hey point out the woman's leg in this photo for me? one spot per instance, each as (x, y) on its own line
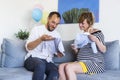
(61, 69)
(72, 69)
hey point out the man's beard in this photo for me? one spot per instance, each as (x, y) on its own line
(48, 27)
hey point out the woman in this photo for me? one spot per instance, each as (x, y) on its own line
(87, 62)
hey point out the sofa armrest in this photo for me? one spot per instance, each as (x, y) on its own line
(112, 59)
(0, 58)
(119, 56)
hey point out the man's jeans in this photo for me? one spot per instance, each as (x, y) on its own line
(39, 67)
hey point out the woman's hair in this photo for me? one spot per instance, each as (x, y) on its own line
(88, 16)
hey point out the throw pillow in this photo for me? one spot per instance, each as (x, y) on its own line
(112, 55)
(13, 53)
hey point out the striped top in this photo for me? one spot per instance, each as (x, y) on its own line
(93, 61)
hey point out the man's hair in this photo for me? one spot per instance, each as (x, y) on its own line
(54, 12)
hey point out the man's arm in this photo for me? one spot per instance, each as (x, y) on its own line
(35, 43)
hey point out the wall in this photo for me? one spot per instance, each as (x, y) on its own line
(109, 18)
(16, 14)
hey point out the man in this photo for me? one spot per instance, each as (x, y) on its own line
(41, 48)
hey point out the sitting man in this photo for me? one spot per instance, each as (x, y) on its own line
(41, 46)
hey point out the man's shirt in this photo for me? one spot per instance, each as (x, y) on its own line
(45, 49)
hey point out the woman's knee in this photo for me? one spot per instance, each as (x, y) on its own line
(69, 68)
(61, 67)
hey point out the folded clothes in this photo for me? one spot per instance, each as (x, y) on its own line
(82, 40)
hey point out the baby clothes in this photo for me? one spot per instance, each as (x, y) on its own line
(53, 46)
(82, 40)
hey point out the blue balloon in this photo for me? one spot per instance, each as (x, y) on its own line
(37, 14)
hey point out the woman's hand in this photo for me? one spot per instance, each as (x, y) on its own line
(74, 48)
(99, 44)
(93, 38)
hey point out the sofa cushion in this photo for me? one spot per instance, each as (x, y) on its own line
(107, 75)
(13, 53)
(15, 74)
(69, 53)
(112, 55)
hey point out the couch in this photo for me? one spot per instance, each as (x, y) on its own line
(13, 52)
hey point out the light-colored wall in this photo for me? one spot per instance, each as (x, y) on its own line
(16, 14)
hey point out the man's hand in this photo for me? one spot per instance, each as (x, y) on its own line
(59, 54)
(46, 37)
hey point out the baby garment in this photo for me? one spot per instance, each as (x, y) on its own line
(82, 40)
